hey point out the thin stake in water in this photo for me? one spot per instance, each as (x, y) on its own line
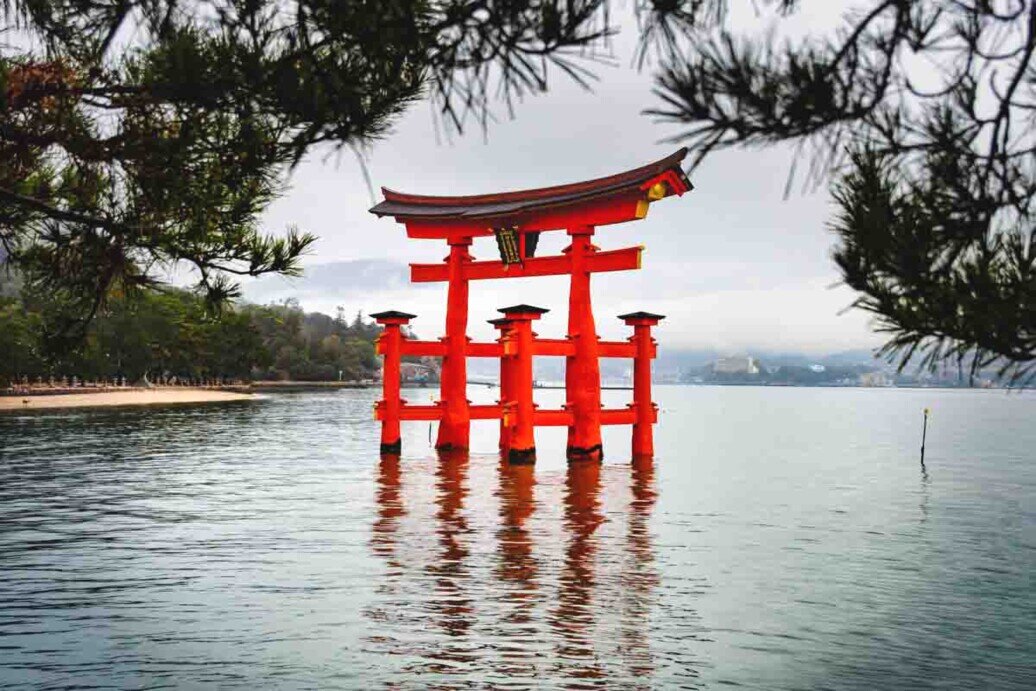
(924, 434)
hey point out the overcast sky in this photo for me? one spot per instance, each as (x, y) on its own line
(734, 265)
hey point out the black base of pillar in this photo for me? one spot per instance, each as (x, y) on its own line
(592, 453)
(446, 448)
(392, 447)
(522, 456)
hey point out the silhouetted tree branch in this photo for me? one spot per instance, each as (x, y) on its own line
(922, 111)
(136, 135)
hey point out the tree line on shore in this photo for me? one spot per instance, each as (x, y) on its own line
(159, 334)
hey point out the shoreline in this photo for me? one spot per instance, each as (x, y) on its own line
(112, 398)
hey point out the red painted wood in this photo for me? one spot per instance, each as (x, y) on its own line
(582, 368)
(485, 350)
(625, 259)
(541, 417)
(455, 425)
(423, 348)
(503, 327)
(646, 410)
(618, 416)
(616, 349)
(421, 412)
(522, 443)
(628, 207)
(553, 346)
(577, 208)
(486, 412)
(553, 418)
(388, 409)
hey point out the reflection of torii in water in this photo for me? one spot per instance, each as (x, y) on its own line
(518, 572)
(640, 578)
(444, 599)
(573, 618)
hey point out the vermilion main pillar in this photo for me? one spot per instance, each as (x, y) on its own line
(583, 369)
(455, 426)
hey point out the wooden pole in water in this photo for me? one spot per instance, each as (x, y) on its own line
(924, 434)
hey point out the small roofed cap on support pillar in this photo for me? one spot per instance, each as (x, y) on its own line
(499, 322)
(642, 318)
(533, 312)
(393, 315)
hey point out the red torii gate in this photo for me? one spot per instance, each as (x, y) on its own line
(517, 218)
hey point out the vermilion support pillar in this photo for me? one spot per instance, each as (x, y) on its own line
(503, 325)
(643, 436)
(582, 369)
(455, 426)
(519, 347)
(390, 346)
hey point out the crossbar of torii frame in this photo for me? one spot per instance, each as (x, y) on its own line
(516, 347)
(577, 209)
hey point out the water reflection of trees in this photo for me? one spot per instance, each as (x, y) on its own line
(576, 609)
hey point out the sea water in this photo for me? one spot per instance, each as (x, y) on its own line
(783, 538)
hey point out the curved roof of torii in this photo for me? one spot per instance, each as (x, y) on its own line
(508, 204)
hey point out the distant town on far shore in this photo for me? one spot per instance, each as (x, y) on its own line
(703, 367)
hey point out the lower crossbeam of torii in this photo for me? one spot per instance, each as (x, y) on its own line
(516, 219)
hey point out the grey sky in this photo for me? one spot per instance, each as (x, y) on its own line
(734, 264)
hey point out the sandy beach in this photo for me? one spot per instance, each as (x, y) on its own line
(121, 398)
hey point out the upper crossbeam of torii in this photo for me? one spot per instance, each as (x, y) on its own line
(516, 219)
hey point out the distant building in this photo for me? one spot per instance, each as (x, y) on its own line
(817, 368)
(736, 365)
(414, 372)
(875, 379)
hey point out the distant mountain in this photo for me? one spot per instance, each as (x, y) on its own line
(857, 356)
(672, 360)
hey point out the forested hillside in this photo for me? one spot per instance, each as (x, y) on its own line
(169, 333)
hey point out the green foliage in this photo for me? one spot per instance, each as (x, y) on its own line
(139, 134)
(19, 340)
(169, 333)
(313, 346)
(924, 113)
(920, 252)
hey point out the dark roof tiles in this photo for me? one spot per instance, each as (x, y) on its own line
(641, 315)
(523, 309)
(392, 314)
(503, 204)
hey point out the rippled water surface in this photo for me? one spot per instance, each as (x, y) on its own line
(783, 538)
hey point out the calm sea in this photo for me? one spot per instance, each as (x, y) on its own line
(783, 539)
